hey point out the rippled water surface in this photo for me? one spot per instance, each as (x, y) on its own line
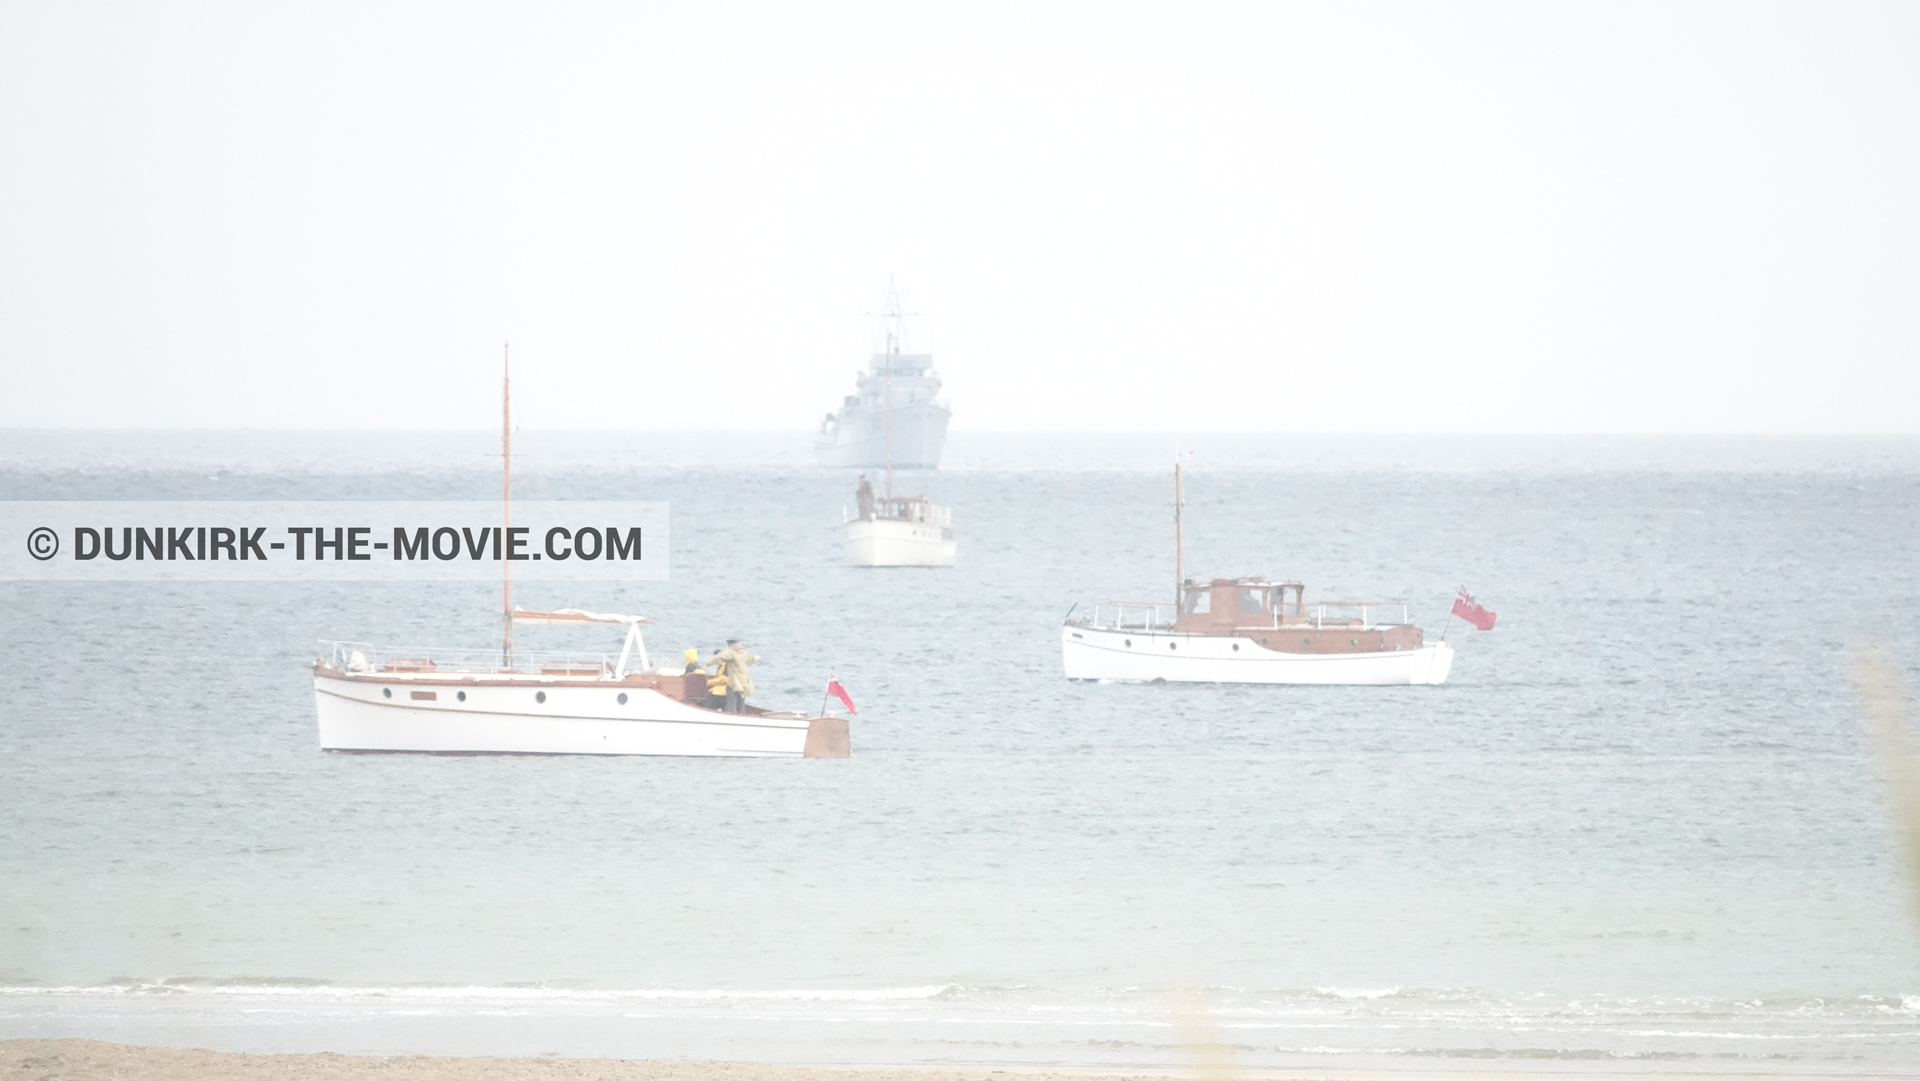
(1639, 825)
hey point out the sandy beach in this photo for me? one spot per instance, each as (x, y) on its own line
(86, 1060)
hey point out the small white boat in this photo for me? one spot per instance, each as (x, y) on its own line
(507, 702)
(458, 702)
(1247, 630)
(905, 531)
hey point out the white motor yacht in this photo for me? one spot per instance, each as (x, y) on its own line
(1247, 630)
(480, 702)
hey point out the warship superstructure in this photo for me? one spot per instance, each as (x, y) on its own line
(897, 416)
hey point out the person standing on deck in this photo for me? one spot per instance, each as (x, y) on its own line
(732, 663)
(694, 680)
(865, 495)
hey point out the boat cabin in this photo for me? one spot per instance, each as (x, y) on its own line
(912, 508)
(1276, 615)
(1224, 604)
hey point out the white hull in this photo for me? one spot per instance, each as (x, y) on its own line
(885, 543)
(860, 440)
(1139, 656)
(583, 717)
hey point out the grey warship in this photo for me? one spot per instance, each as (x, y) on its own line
(898, 417)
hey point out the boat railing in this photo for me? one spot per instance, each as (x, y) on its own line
(916, 510)
(1363, 614)
(364, 658)
(1128, 615)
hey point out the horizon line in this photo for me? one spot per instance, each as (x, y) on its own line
(1177, 433)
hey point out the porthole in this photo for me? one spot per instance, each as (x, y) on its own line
(1353, 641)
(1236, 647)
(386, 692)
(623, 698)
(1173, 645)
(462, 696)
(1306, 641)
(1128, 642)
(539, 696)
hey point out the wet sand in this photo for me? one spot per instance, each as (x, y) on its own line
(88, 1060)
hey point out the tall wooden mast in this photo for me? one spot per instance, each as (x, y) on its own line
(506, 503)
(894, 334)
(1179, 555)
(887, 384)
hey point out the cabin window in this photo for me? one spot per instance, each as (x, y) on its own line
(1250, 600)
(623, 698)
(540, 696)
(386, 692)
(462, 696)
(1199, 602)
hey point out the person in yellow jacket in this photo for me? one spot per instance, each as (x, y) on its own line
(695, 689)
(730, 664)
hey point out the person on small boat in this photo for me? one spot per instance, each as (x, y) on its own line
(694, 679)
(731, 663)
(865, 495)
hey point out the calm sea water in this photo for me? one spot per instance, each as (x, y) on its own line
(1639, 828)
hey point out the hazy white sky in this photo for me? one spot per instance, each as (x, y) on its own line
(1339, 216)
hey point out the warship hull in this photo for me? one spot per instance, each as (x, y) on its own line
(860, 439)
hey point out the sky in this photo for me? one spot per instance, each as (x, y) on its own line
(1326, 217)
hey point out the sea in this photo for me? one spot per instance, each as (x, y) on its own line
(1641, 828)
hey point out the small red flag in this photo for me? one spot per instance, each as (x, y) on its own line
(835, 689)
(1471, 610)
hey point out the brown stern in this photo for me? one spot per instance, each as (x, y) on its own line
(827, 738)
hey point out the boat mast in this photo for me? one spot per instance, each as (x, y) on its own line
(1179, 555)
(893, 350)
(889, 416)
(506, 503)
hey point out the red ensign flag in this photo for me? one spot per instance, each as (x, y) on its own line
(1470, 610)
(835, 689)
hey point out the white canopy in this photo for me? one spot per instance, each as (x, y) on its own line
(574, 615)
